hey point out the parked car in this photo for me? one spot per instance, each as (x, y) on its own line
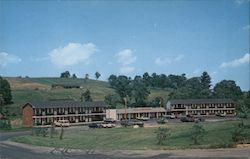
(169, 116)
(62, 123)
(107, 125)
(221, 114)
(143, 118)
(109, 120)
(190, 118)
(161, 121)
(94, 125)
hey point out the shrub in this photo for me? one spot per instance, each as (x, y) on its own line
(40, 131)
(241, 133)
(5, 124)
(197, 133)
(162, 135)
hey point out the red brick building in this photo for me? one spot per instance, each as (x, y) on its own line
(46, 112)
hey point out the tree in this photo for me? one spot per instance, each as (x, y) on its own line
(206, 84)
(157, 102)
(111, 100)
(5, 92)
(139, 91)
(227, 89)
(192, 89)
(241, 133)
(146, 79)
(162, 134)
(205, 80)
(74, 76)
(177, 81)
(197, 133)
(65, 74)
(112, 80)
(86, 96)
(86, 76)
(97, 75)
(123, 86)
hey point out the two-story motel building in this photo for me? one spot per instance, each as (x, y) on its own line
(202, 107)
(46, 112)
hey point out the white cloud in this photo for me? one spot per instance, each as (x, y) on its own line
(39, 59)
(126, 69)
(6, 59)
(162, 61)
(72, 54)
(214, 73)
(197, 71)
(239, 2)
(247, 27)
(125, 57)
(179, 57)
(236, 62)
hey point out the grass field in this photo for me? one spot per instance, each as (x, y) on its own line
(218, 134)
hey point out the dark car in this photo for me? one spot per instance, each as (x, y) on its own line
(94, 125)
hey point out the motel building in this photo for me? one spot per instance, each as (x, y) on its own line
(201, 107)
(135, 113)
(47, 112)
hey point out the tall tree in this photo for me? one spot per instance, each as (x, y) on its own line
(177, 81)
(139, 92)
(5, 91)
(206, 84)
(192, 89)
(123, 86)
(112, 100)
(227, 89)
(205, 80)
(97, 75)
(65, 74)
(86, 76)
(146, 79)
(112, 80)
(74, 76)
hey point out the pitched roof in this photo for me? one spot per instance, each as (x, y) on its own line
(141, 110)
(63, 104)
(200, 101)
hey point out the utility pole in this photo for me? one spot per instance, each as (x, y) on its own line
(125, 105)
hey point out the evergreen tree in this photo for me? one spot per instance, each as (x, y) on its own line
(97, 75)
(5, 91)
(74, 76)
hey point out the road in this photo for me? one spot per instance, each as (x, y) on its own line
(11, 150)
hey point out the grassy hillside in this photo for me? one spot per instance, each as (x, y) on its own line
(38, 89)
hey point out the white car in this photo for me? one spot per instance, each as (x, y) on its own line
(62, 123)
(109, 125)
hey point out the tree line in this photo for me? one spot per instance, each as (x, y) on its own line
(136, 90)
(67, 74)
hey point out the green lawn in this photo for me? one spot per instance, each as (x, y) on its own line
(218, 134)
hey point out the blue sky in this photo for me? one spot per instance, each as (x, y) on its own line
(45, 38)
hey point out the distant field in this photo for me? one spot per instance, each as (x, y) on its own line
(218, 134)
